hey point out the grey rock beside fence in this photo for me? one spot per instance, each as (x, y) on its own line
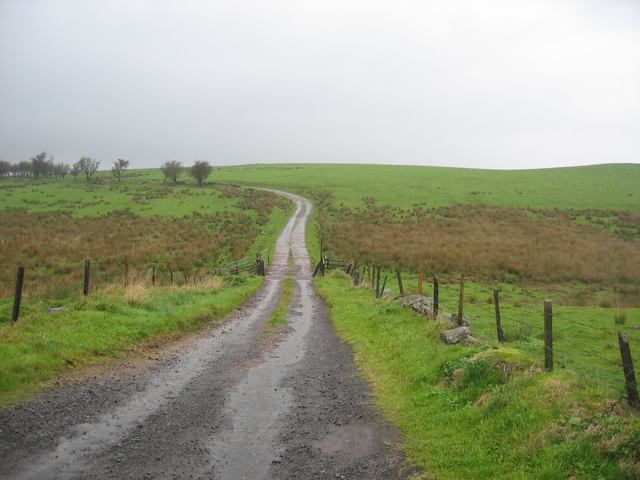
(459, 333)
(420, 304)
(455, 335)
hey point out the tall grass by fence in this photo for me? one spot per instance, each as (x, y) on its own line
(93, 279)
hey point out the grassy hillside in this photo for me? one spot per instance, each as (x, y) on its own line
(611, 186)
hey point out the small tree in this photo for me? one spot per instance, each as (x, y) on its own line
(200, 170)
(39, 165)
(171, 169)
(119, 166)
(88, 166)
(61, 169)
(23, 169)
(76, 170)
(5, 168)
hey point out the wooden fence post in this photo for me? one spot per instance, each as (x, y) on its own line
(420, 273)
(378, 282)
(496, 302)
(400, 288)
(87, 276)
(153, 274)
(171, 275)
(436, 295)
(548, 336)
(17, 299)
(627, 368)
(461, 301)
(384, 283)
(260, 269)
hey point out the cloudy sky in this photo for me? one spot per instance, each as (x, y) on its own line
(491, 83)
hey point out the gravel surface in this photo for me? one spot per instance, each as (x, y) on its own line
(238, 401)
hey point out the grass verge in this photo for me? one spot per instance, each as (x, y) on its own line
(480, 412)
(279, 316)
(104, 326)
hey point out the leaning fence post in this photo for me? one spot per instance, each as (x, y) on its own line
(400, 288)
(496, 302)
(384, 283)
(548, 336)
(627, 368)
(436, 295)
(87, 274)
(17, 299)
(315, 272)
(461, 301)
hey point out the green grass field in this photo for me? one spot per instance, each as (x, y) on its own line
(141, 192)
(598, 186)
(462, 416)
(585, 337)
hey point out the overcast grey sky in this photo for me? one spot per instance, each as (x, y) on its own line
(476, 83)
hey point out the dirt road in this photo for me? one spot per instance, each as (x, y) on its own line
(239, 401)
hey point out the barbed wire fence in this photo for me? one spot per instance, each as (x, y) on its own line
(95, 276)
(596, 353)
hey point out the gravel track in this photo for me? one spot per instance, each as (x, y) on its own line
(238, 401)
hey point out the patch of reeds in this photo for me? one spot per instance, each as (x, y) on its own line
(53, 246)
(488, 242)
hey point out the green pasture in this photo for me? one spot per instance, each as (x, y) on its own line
(585, 336)
(462, 416)
(142, 192)
(612, 186)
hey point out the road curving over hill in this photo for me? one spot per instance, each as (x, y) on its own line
(238, 401)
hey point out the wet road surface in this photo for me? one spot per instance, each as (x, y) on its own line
(239, 401)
